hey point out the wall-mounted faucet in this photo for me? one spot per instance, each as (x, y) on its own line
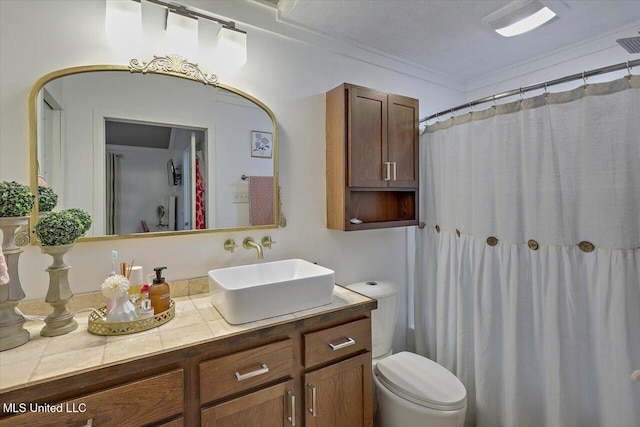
(249, 243)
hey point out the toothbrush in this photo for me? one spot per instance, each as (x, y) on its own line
(114, 256)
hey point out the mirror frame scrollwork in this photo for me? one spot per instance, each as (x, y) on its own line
(171, 65)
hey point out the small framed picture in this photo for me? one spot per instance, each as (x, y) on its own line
(261, 144)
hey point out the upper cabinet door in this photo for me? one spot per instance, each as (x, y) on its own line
(403, 141)
(367, 138)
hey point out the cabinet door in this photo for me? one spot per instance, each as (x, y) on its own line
(367, 138)
(270, 407)
(340, 394)
(403, 141)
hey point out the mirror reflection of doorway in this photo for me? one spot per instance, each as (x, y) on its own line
(152, 174)
(51, 144)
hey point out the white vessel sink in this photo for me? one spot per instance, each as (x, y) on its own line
(257, 291)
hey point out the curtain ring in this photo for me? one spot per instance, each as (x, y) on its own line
(584, 79)
(628, 70)
(438, 117)
(471, 105)
(521, 97)
(452, 116)
(494, 102)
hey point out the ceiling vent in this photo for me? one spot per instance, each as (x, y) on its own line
(630, 44)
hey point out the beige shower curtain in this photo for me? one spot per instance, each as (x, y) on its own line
(528, 289)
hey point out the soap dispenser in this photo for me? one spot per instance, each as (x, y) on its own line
(159, 292)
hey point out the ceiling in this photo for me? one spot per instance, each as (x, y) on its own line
(449, 37)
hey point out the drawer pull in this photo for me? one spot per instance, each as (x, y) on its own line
(89, 423)
(252, 374)
(312, 410)
(292, 418)
(347, 343)
(395, 170)
(388, 174)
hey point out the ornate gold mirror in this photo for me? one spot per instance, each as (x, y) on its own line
(154, 149)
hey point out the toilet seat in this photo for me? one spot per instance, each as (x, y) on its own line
(421, 381)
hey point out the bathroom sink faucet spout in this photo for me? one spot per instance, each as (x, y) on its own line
(249, 243)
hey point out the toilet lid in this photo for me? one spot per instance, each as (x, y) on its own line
(421, 381)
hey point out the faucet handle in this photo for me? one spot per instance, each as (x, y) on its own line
(267, 242)
(230, 245)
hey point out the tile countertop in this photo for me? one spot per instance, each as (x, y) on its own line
(196, 321)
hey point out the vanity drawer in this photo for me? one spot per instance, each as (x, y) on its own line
(333, 343)
(227, 375)
(141, 402)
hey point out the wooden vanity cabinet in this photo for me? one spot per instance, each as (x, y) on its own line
(372, 158)
(261, 377)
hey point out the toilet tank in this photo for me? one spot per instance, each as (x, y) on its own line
(383, 319)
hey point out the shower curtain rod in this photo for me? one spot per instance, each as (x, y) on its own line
(544, 85)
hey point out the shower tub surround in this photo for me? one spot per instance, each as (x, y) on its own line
(168, 364)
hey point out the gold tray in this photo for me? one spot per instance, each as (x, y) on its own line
(99, 327)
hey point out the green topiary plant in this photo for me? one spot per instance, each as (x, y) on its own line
(84, 217)
(63, 227)
(15, 199)
(47, 199)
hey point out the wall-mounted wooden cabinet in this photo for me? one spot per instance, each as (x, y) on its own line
(372, 159)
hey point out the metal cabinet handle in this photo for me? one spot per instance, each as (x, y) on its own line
(388, 174)
(292, 418)
(252, 374)
(347, 343)
(89, 423)
(395, 170)
(312, 410)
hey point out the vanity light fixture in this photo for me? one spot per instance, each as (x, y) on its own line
(123, 20)
(181, 28)
(232, 44)
(518, 17)
(232, 41)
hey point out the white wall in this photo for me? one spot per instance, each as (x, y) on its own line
(37, 37)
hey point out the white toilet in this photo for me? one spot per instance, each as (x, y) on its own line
(410, 390)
